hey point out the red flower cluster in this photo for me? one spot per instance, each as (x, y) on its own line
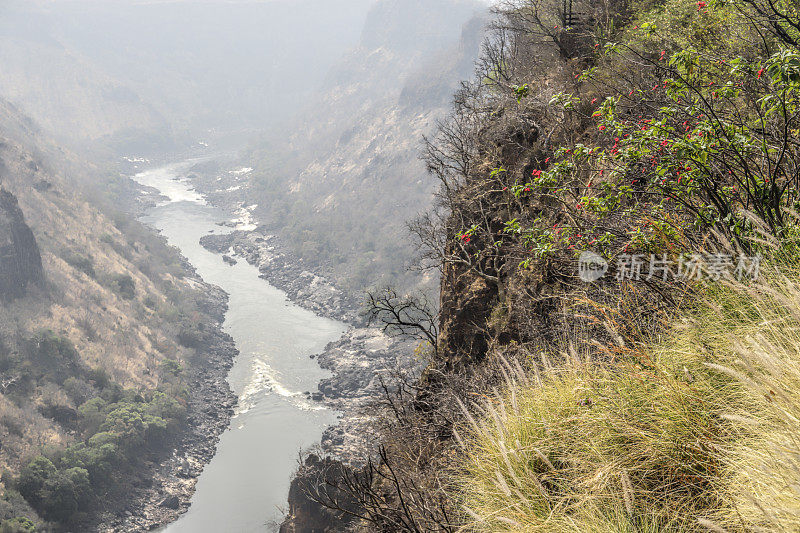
(537, 174)
(615, 148)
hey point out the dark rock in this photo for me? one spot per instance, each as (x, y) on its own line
(42, 185)
(64, 415)
(217, 243)
(306, 515)
(170, 502)
(462, 339)
(20, 260)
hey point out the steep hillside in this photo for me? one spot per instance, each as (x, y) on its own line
(65, 92)
(615, 347)
(102, 329)
(339, 181)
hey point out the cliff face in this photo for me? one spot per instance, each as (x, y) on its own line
(20, 260)
(306, 514)
(466, 301)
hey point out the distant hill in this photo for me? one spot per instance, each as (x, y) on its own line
(138, 76)
(341, 180)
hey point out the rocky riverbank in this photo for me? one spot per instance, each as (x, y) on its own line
(163, 488)
(360, 362)
(303, 287)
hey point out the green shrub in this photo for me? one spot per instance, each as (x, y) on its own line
(19, 524)
(81, 263)
(93, 414)
(123, 285)
(48, 346)
(119, 429)
(78, 389)
(171, 367)
(100, 377)
(32, 479)
(65, 494)
(134, 426)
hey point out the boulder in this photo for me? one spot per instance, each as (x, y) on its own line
(170, 502)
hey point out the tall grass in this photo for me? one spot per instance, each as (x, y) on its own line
(699, 431)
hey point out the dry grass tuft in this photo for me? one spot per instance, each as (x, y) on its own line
(700, 432)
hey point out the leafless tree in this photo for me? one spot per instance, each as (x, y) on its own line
(777, 18)
(407, 316)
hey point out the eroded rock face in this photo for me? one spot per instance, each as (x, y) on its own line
(20, 260)
(466, 302)
(318, 479)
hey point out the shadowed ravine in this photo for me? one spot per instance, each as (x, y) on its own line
(244, 488)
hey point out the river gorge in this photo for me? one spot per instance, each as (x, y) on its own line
(244, 487)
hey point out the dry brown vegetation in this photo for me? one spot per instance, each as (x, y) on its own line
(108, 317)
(554, 405)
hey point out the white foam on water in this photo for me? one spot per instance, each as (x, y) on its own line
(264, 379)
(241, 171)
(244, 220)
(135, 159)
(167, 182)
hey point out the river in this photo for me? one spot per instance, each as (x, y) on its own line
(245, 486)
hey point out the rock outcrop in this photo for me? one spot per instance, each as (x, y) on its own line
(317, 481)
(466, 301)
(20, 260)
